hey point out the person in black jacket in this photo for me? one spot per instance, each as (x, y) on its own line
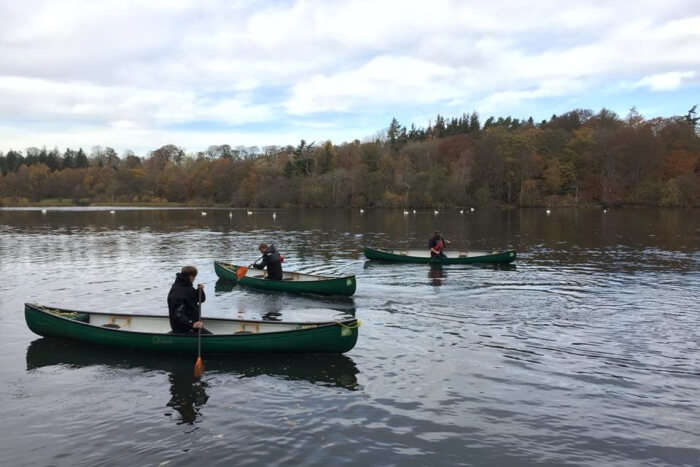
(183, 302)
(271, 260)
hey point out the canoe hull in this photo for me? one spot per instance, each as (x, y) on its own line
(383, 255)
(345, 286)
(332, 337)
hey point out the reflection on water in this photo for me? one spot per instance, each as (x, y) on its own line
(222, 285)
(324, 369)
(436, 274)
(585, 352)
(188, 393)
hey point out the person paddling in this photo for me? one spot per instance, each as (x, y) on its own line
(437, 245)
(183, 301)
(271, 260)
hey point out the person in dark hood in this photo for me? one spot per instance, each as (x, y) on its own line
(437, 245)
(183, 301)
(271, 260)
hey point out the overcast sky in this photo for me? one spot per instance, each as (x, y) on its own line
(142, 74)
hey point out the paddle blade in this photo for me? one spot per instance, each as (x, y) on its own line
(241, 271)
(198, 368)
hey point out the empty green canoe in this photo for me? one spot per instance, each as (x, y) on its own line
(453, 257)
(151, 332)
(294, 282)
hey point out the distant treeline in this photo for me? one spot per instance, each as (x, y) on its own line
(579, 157)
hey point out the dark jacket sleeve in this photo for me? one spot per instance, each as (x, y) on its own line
(196, 297)
(263, 263)
(193, 302)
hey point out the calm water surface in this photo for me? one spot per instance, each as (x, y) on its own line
(583, 353)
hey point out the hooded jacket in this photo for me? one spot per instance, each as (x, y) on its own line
(273, 262)
(182, 304)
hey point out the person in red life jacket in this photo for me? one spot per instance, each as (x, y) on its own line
(272, 260)
(437, 245)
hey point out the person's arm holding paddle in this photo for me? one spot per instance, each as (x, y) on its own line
(201, 298)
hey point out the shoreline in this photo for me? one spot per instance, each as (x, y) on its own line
(67, 205)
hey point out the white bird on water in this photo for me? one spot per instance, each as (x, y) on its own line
(471, 209)
(605, 211)
(43, 211)
(112, 211)
(405, 212)
(362, 211)
(250, 213)
(436, 212)
(548, 212)
(461, 211)
(274, 215)
(230, 215)
(414, 211)
(204, 213)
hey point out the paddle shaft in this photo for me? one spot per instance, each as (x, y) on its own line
(259, 258)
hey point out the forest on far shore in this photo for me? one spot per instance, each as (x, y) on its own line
(578, 158)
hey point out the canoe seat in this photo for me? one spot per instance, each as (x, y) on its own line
(463, 255)
(111, 326)
(241, 333)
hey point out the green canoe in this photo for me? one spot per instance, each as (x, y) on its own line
(151, 332)
(294, 282)
(453, 257)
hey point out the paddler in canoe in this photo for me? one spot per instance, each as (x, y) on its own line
(271, 260)
(184, 303)
(437, 245)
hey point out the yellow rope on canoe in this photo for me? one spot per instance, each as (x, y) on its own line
(65, 314)
(350, 326)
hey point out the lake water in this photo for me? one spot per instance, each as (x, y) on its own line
(583, 353)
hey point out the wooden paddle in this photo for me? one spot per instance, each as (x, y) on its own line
(243, 270)
(199, 364)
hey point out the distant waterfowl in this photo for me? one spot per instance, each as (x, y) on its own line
(204, 213)
(436, 212)
(548, 212)
(471, 209)
(414, 211)
(43, 211)
(230, 215)
(250, 213)
(362, 211)
(274, 215)
(112, 211)
(461, 211)
(405, 212)
(605, 211)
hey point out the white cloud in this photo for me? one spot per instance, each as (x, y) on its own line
(384, 79)
(669, 81)
(144, 68)
(36, 99)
